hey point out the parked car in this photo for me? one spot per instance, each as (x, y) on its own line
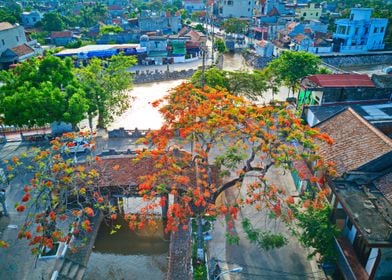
(78, 146)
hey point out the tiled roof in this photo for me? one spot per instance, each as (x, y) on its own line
(60, 34)
(299, 37)
(341, 80)
(263, 43)
(384, 184)
(123, 171)
(22, 50)
(302, 169)
(5, 25)
(183, 31)
(356, 142)
(115, 8)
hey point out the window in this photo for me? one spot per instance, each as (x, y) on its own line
(382, 30)
(230, 2)
(17, 38)
(317, 14)
(375, 30)
(34, 19)
(366, 30)
(304, 14)
(351, 16)
(356, 30)
(342, 30)
(2, 41)
(249, 3)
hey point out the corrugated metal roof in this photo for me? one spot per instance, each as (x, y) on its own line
(341, 80)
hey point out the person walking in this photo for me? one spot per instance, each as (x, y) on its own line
(2, 201)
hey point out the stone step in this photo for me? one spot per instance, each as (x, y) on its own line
(65, 268)
(80, 274)
(73, 270)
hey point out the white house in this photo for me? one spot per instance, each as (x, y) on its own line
(238, 8)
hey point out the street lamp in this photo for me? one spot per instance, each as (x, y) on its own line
(233, 270)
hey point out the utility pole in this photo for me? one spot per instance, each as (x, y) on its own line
(203, 67)
(213, 36)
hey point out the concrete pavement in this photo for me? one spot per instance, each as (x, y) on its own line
(288, 262)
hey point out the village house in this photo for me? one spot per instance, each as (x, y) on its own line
(29, 19)
(264, 48)
(192, 6)
(165, 22)
(62, 38)
(15, 46)
(237, 8)
(360, 195)
(359, 32)
(311, 11)
(332, 89)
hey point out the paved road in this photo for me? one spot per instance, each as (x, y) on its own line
(289, 262)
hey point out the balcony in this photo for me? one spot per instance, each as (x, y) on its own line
(348, 49)
(348, 262)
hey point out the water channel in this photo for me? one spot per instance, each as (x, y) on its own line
(128, 255)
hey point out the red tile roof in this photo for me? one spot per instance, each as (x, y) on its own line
(303, 170)
(356, 142)
(341, 80)
(115, 8)
(22, 50)
(124, 171)
(61, 34)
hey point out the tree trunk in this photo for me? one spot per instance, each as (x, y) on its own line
(90, 121)
(101, 121)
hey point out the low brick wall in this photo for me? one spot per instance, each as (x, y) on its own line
(148, 76)
(180, 254)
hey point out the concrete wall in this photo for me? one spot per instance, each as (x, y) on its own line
(141, 77)
(359, 59)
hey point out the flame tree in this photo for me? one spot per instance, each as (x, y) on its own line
(229, 136)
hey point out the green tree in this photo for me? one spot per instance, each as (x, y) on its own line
(315, 230)
(10, 11)
(52, 21)
(252, 85)
(7, 16)
(234, 25)
(199, 27)
(41, 91)
(105, 84)
(106, 29)
(219, 45)
(291, 66)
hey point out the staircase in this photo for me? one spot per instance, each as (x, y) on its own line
(71, 270)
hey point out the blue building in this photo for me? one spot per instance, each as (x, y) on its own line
(360, 32)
